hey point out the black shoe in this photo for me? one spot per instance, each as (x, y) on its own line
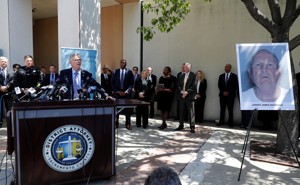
(1, 124)
(179, 128)
(192, 130)
(138, 125)
(144, 126)
(230, 126)
(162, 126)
(219, 124)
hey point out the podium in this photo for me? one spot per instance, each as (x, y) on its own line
(63, 142)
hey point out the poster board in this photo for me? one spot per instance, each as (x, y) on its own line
(265, 78)
(88, 57)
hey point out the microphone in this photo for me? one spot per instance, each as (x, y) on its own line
(51, 93)
(31, 93)
(63, 89)
(91, 91)
(45, 91)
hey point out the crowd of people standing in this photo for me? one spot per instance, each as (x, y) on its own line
(187, 88)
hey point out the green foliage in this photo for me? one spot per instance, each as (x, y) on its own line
(168, 14)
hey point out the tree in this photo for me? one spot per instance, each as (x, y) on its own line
(279, 27)
(170, 13)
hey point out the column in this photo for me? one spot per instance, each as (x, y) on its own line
(16, 29)
(79, 26)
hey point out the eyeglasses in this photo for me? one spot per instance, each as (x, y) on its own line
(79, 59)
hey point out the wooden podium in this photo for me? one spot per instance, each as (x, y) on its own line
(64, 142)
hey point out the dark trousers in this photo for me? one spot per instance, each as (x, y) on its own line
(152, 108)
(226, 102)
(187, 105)
(178, 111)
(142, 111)
(199, 109)
(5, 105)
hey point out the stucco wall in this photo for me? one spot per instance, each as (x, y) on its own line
(111, 35)
(45, 39)
(207, 39)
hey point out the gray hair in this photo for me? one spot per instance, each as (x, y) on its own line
(2, 58)
(73, 55)
(188, 65)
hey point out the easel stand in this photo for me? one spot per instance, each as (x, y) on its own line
(247, 138)
(246, 141)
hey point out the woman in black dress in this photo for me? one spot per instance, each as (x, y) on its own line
(165, 93)
(200, 97)
(143, 92)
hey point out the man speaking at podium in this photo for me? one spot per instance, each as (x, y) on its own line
(78, 80)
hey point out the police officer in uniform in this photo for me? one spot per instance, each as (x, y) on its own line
(27, 77)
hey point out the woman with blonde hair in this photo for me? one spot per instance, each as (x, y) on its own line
(200, 97)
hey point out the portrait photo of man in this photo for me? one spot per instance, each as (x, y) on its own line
(266, 82)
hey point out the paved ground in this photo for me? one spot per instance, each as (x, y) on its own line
(211, 156)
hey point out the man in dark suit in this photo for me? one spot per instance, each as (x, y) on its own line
(122, 83)
(77, 79)
(51, 77)
(178, 97)
(153, 80)
(136, 75)
(228, 86)
(106, 80)
(186, 91)
(6, 86)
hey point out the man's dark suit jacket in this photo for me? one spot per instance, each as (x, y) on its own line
(47, 79)
(189, 86)
(7, 100)
(87, 80)
(231, 86)
(9, 81)
(153, 83)
(106, 83)
(178, 95)
(128, 81)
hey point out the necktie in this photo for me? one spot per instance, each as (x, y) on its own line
(226, 79)
(75, 85)
(122, 79)
(184, 81)
(52, 79)
(4, 76)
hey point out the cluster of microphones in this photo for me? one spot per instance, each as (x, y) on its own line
(55, 92)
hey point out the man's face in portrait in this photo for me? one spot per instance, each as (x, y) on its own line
(264, 70)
